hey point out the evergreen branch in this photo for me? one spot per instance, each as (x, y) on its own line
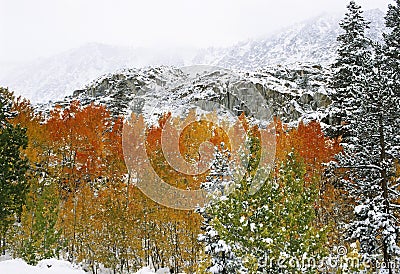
(364, 166)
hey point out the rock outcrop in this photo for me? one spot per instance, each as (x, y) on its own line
(291, 93)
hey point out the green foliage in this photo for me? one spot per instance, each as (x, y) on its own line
(222, 259)
(13, 185)
(276, 225)
(37, 237)
(287, 205)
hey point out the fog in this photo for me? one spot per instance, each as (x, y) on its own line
(31, 29)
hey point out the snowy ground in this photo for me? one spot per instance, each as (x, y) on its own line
(51, 266)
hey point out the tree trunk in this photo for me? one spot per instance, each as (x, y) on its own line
(2, 247)
(384, 186)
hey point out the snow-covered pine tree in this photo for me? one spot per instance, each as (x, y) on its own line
(220, 178)
(353, 57)
(276, 221)
(391, 81)
(223, 260)
(392, 45)
(391, 66)
(228, 212)
(274, 226)
(13, 184)
(369, 112)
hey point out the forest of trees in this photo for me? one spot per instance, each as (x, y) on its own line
(66, 192)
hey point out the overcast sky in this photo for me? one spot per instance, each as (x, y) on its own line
(31, 29)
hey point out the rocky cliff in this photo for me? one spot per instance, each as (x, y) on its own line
(291, 92)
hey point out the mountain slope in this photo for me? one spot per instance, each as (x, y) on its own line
(291, 93)
(312, 41)
(58, 76)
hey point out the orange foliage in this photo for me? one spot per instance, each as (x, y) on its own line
(82, 149)
(86, 143)
(309, 141)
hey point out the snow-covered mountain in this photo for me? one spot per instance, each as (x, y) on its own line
(58, 76)
(312, 41)
(291, 93)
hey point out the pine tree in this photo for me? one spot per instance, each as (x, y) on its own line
(223, 260)
(288, 230)
(13, 185)
(353, 57)
(220, 178)
(369, 110)
(392, 46)
(277, 220)
(390, 78)
(276, 224)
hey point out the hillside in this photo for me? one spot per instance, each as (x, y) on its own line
(292, 93)
(312, 41)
